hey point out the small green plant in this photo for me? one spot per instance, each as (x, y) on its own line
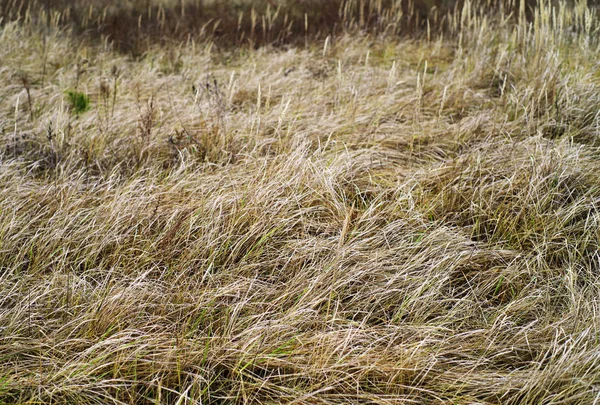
(80, 102)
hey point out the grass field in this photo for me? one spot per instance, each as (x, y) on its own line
(206, 203)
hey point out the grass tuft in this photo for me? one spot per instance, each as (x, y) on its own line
(79, 102)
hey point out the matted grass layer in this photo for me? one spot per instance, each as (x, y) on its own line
(364, 218)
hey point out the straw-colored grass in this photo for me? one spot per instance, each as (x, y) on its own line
(365, 218)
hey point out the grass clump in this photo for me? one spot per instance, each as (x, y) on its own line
(79, 102)
(350, 216)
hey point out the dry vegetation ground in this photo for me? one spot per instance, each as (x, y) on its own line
(362, 218)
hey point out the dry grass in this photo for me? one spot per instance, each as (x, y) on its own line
(367, 219)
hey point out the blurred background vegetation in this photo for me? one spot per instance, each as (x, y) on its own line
(133, 25)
